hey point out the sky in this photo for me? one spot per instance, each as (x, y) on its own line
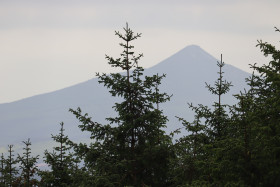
(46, 45)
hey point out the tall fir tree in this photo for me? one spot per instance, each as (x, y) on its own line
(243, 120)
(266, 129)
(133, 149)
(28, 165)
(11, 170)
(202, 154)
(255, 125)
(61, 161)
(3, 171)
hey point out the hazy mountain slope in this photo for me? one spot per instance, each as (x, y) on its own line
(187, 71)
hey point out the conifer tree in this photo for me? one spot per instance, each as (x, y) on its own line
(28, 165)
(60, 161)
(243, 120)
(191, 156)
(218, 124)
(254, 131)
(2, 171)
(201, 155)
(265, 156)
(132, 149)
(217, 120)
(11, 170)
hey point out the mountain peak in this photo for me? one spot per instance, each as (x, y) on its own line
(193, 51)
(193, 46)
(191, 55)
(187, 71)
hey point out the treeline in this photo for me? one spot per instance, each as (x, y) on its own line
(237, 145)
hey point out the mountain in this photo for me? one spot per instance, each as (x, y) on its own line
(186, 72)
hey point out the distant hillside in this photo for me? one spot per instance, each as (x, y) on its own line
(187, 71)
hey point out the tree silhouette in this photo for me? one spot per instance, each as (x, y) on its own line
(133, 148)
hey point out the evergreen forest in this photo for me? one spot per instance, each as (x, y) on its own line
(225, 145)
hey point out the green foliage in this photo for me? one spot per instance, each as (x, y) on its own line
(266, 129)
(8, 168)
(201, 157)
(28, 165)
(133, 148)
(62, 163)
(2, 171)
(225, 145)
(239, 148)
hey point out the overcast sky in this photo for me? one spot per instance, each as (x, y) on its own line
(47, 45)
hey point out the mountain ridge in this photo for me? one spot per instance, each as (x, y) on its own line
(188, 48)
(37, 117)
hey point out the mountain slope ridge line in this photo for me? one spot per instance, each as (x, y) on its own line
(38, 117)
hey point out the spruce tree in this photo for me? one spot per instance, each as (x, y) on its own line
(255, 133)
(218, 117)
(266, 129)
(11, 170)
(218, 124)
(243, 120)
(189, 166)
(28, 165)
(132, 150)
(2, 171)
(202, 154)
(60, 161)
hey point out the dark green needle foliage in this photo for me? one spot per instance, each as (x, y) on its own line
(266, 94)
(132, 150)
(217, 121)
(224, 145)
(191, 153)
(28, 166)
(3, 172)
(10, 167)
(62, 163)
(201, 155)
(243, 121)
(235, 145)
(256, 125)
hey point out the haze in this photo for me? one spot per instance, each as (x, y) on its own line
(48, 45)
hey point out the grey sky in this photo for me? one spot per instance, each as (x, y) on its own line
(51, 44)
